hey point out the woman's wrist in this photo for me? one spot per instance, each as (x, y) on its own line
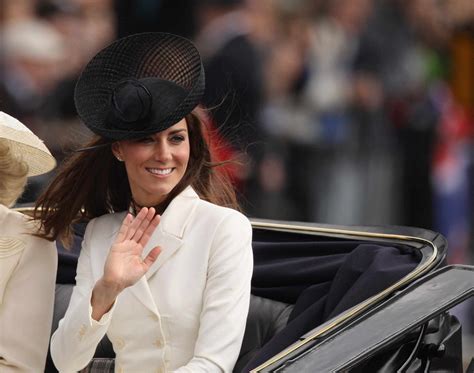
(104, 295)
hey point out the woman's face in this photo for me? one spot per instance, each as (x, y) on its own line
(155, 164)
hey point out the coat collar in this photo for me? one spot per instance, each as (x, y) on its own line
(168, 236)
(176, 217)
(170, 231)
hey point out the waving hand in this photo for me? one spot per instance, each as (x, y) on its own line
(124, 265)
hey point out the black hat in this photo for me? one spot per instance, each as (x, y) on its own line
(140, 85)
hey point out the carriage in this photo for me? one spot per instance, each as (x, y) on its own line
(336, 298)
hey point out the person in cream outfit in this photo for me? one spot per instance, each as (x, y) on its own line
(27, 263)
(166, 260)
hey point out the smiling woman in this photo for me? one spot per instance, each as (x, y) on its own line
(155, 164)
(159, 219)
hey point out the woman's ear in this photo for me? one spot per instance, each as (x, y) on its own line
(117, 151)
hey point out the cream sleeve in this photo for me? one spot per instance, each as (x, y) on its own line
(27, 283)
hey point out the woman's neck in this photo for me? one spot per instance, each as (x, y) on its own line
(135, 207)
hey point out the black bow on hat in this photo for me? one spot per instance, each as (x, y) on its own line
(140, 85)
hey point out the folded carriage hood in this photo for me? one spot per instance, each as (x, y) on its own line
(418, 303)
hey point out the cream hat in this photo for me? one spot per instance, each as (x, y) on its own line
(25, 145)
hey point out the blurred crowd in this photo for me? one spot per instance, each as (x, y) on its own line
(335, 111)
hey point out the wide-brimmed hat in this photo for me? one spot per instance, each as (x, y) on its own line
(25, 145)
(140, 85)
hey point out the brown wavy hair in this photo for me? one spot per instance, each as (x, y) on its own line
(93, 183)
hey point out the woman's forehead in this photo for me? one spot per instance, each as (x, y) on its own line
(181, 126)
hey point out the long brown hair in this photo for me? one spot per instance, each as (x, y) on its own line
(93, 183)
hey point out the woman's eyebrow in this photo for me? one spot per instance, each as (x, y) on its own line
(177, 131)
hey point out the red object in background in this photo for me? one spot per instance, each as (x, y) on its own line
(222, 151)
(451, 184)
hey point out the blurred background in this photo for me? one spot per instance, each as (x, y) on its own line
(336, 111)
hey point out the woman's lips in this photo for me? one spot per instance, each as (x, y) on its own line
(160, 171)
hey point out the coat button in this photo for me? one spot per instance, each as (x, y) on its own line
(81, 332)
(119, 343)
(158, 343)
(154, 316)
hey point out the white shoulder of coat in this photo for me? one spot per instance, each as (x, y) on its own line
(215, 213)
(108, 220)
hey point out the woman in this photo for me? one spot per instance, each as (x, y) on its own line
(27, 263)
(164, 270)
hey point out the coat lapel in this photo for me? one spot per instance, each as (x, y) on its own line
(142, 292)
(169, 236)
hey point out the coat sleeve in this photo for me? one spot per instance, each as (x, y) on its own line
(74, 343)
(26, 304)
(226, 298)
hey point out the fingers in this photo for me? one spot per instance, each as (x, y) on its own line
(151, 257)
(149, 230)
(140, 228)
(134, 226)
(124, 228)
(143, 224)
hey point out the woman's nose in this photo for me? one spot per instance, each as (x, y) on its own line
(162, 152)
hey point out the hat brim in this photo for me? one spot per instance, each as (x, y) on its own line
(39, 161)
(25, 145)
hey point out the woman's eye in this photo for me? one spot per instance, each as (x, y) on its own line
(177, 138)
(145, 140)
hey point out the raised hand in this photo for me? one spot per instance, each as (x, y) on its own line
(124, 265)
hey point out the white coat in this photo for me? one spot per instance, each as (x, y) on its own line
(27, 281)
(187, 314)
